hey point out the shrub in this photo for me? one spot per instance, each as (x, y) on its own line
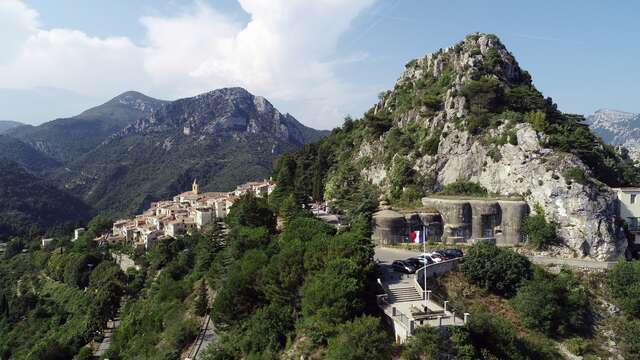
(538, 230)
(361, 338)
(624, 283)
(577, 346)
(464, 188)
(575, 174)
(554, 305)
(426, 343)
(496, 269)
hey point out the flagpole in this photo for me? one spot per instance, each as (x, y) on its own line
(424, 272)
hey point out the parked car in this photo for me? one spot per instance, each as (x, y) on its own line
(443, 254)
(454, 253)
(419, 261)
(434, 256)
(403, 267)
(425, 260)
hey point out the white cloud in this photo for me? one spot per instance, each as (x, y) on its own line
(286, 52)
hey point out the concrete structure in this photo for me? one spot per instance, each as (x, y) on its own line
(454, 220)
(47, 243)
(77, 232)
(407, 306)
(628, 209)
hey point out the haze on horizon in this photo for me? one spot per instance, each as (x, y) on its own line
(317, 60)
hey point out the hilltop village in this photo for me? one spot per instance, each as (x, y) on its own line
(185, 212)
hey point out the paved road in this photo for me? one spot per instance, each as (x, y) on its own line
(386, 255)
(574, 263)
(206, 337)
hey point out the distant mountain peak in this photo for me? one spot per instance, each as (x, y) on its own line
(232, 111)
(133, 100)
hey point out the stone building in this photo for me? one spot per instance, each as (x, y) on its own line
(454, 220)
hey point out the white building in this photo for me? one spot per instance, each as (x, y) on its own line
(629, 209)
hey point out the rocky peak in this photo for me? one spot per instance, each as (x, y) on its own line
(470, 113)
(227, 111)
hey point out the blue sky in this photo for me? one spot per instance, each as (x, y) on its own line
(317, 60)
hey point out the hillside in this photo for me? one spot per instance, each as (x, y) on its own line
(471, 114)
(6, 125)
(617, 128)
(69, 138)
(29, 203)
(25, 155)
(222, 138)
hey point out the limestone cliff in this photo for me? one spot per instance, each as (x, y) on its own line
(470, 113)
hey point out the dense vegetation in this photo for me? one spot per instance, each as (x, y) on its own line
(29, 205)
(169, 296)
(297, 285)
(53, 303)
(539, 232)
(25, 155)
(624, 284)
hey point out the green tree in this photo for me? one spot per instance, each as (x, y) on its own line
(359, 339)
(540, 232)
(496, 269)
(100, 224)
(425, 344)
(252, 211)
(267, 329)
(624, 282)
(202, 299)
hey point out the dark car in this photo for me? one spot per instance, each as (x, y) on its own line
(453, 253)
(403, 267)
(443, 254)
(419, 262)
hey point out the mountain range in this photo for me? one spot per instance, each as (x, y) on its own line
(617, 128)
(134, 149)
(221, 138)
(6, 125)
(67, 139)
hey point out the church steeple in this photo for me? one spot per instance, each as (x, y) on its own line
(194, 187)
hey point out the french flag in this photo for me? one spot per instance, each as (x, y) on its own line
(416, 236)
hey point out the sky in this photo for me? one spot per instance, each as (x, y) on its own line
(317, 60)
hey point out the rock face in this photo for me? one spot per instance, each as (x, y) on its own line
(223, 111)
(617, 128)
(505, 154)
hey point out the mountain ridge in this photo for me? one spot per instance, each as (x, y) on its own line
(66, 139)
(618, 128)
(222, 137)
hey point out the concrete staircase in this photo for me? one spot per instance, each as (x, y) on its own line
(402, 294)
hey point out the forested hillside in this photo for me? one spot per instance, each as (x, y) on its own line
(31, 159)
(30, 204)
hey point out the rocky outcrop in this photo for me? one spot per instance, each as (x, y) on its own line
(508, 157)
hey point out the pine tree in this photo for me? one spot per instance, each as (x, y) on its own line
(202, 300)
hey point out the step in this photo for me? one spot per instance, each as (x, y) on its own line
(404, 294)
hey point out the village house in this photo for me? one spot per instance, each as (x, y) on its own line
(186, 212)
